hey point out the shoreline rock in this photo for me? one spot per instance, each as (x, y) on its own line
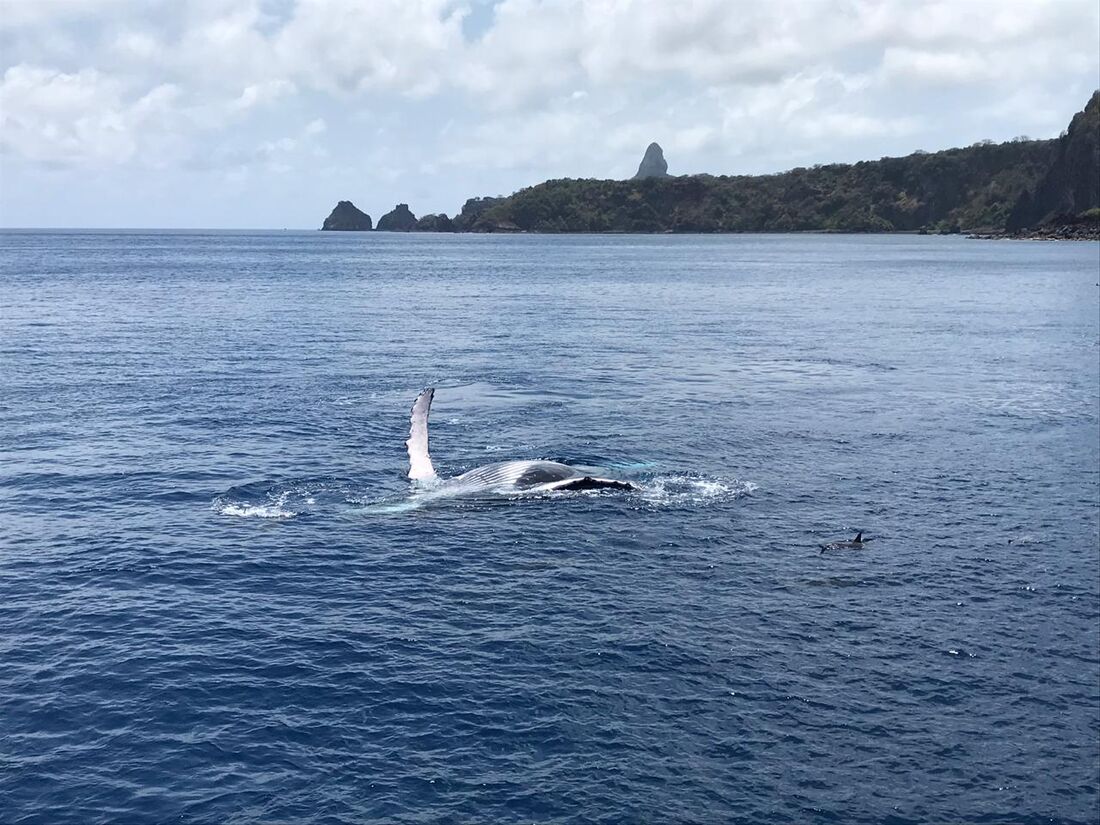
(1045, 233)
(1084, 227)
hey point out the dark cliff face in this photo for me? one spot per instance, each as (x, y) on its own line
(435, 223)
(346, 218)
(653, 164)
(1072, 183)
(472, 211)
(399, 220)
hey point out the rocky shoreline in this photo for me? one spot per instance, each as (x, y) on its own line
(1075, 231)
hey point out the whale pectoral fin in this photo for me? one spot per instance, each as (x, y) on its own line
(593, 483)
(420, 463)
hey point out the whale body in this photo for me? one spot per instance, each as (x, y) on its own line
(501, 476)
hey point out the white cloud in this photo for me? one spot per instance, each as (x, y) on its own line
(545, 87)
(19, 14)
(935, 67)
(401, 45)
(258, 94)
(533, 48)
(136, 46)
(59, 118)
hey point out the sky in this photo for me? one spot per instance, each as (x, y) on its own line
(264, 113)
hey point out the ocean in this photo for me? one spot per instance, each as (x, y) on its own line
(221, 601)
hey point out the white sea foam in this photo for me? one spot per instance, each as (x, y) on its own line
(683, 490)
(255, 511)
(390, 508)
(660, 491)
(275, 507)
(511, 448)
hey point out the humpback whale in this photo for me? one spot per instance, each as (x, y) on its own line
(855, 544)
(503, 476)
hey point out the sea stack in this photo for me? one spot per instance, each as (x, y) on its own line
(399, 220)
(653, 164)
(346, 218)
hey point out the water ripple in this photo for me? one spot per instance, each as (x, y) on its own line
(223, 602)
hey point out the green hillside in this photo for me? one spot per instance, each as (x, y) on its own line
(975, 187)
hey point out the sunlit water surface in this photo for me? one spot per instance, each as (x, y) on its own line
(221, 602)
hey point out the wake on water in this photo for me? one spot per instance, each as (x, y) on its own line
(289, 499)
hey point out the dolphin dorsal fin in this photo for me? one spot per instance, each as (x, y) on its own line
(859, 537)
(420, 463)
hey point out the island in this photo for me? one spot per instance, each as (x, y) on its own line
(398, 219)
(346, 218)
(1020, 188)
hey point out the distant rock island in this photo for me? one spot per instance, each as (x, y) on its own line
(399, 219)
(1021, 188)
(653, 164)
(435, 223)
(346, 218)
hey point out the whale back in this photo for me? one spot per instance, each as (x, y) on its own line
(520, 475)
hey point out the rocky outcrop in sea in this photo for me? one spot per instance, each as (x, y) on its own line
(400, 219)
(346, 218)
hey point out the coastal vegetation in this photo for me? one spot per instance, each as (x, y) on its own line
(945, 191)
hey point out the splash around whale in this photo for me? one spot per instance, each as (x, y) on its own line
(500, 477)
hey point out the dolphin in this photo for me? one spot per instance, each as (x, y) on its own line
(502, 476)
(855, 544)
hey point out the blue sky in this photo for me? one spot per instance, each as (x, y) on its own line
(264, 113)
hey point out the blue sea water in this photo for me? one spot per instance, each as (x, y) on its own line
(219, 604)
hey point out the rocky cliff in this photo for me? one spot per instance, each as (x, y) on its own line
(435, 223)
(1071, 186)
(346, 218)
(472, 211)
(653, 164)
(400, 219)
